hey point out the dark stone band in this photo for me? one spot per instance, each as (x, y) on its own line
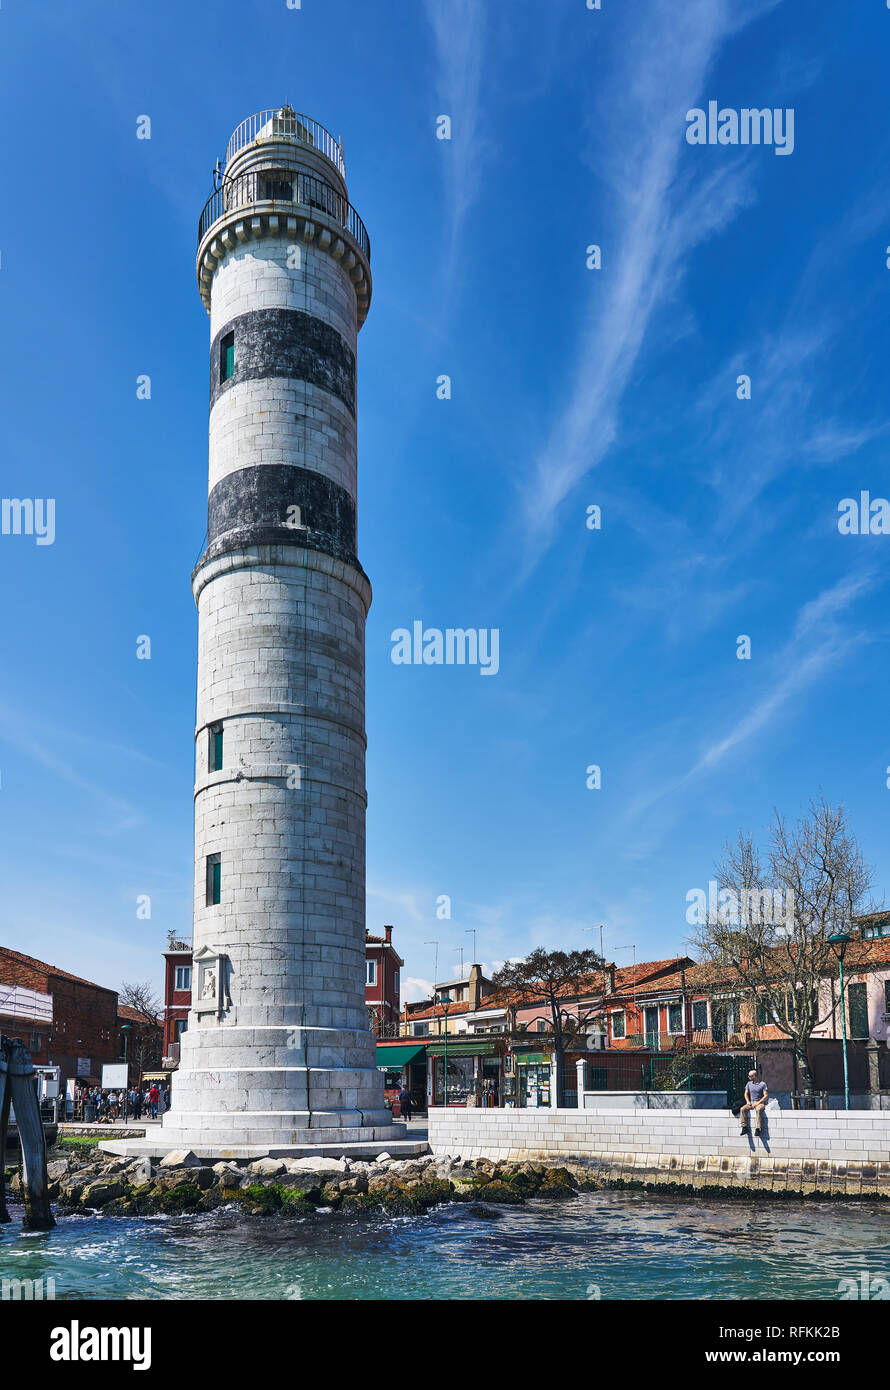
(285, 343)
(255, 505)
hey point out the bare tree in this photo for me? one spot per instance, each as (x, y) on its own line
(776, 912)
(555, 979)
(143, 1000)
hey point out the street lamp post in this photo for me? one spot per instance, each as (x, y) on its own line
(445, 1008)
(125, 1029)
(839, 943)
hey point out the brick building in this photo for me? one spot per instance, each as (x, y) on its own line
(177, 997)
(73, 1023)
(382, 982)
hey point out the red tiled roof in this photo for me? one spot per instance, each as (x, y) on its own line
(626, 976)
(35, 964)
(124, 1011)
(436, 1012)
(382, 941)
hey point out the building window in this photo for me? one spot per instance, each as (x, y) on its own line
(857, 1010)
(700, 1015)
(371, 977)
(179, 1027)
(675, 1018)
(420, 1030)
(183, 977)
(619, 1026)
(34, 1042)
(542, 1025)
(214, 879)
(887, 996)
(723, 1020)
(762, 1016)
(215, 760)
(227, 357)
(395, 982)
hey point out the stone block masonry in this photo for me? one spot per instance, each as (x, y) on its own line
(806, 1152)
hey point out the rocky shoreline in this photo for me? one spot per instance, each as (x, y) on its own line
(180, 1183)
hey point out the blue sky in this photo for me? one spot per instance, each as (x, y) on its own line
(571, 387)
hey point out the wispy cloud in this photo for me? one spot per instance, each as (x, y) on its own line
(659, 218)
(398, 903)
(414, 988)
(818, 643)
(459, 29)
(35, 743)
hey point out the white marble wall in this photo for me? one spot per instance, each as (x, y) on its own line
(288, 1058)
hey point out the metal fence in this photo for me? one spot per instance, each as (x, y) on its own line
(283, 186)
(658, 1072)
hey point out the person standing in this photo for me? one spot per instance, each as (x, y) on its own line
(405, 1102)
(154, 1096)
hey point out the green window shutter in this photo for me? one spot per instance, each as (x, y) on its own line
(214, 880)
(227, 357)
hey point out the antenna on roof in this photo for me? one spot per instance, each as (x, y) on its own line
(634, 949)
(600, 930)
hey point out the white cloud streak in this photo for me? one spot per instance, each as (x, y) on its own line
(660, 219)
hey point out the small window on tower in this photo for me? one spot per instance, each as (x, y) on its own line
(227, 357)
(278, 185)
(214, 879)
(216, 748)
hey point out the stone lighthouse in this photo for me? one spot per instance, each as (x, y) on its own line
(278, 1054)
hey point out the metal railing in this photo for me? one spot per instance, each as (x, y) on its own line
(288, 187)
(813, 1100)
(620, 1072)
(386, 1030)
(287, 124)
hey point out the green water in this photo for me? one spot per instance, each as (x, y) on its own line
(623, 1245)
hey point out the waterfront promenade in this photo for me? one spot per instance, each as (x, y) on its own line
(828, 1151)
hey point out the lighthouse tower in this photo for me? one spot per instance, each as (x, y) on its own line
(278, 1054)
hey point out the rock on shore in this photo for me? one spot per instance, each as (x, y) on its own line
(180, 1183)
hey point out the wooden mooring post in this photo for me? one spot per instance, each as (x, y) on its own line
(18, 1086)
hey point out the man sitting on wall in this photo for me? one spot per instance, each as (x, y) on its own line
(756, 1097)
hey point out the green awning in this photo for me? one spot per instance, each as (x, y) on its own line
(394, 1058)
(461, 1049)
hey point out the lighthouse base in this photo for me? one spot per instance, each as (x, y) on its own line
(157, 1146)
